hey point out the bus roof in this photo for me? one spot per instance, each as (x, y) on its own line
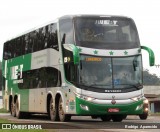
(87, 15)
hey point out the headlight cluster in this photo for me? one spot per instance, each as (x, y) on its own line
(145, 101)
(145, 105)
(137, 98)
(87, 98)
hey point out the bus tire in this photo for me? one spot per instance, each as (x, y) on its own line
(62, 116)
(106, 118)
(13, 112)
(53, 111)
(19, 114)
(94, 117)
(143, 116)
(117, 118)
(124, 116)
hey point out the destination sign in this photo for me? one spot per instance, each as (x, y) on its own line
(93, 59)
(106, 22)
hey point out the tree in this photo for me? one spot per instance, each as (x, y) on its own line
(150, 79)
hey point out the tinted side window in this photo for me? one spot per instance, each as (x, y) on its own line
(33, 43)
(41, 78)
(18, 47)
(53, 37)
(40, 39)
(66, 31)
(7, 51)
(49, 77)
(23, 44)
(27, 44)
(12, 49)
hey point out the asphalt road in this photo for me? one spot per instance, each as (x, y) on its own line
(82, 123)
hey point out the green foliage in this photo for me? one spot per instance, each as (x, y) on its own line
(150, 79)
(4, 121)
(0, 65)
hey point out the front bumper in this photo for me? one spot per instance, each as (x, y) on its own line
(84, 107)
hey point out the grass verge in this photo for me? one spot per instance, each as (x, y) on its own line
(2, 110)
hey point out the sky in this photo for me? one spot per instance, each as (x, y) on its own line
(18, 16)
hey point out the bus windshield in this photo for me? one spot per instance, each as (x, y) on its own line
(106, 32)
(109, 73)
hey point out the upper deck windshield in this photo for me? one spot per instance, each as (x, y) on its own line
(106, 32)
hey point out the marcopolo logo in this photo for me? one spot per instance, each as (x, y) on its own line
(16, 74)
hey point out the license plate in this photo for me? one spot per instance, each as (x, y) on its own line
(113, 110)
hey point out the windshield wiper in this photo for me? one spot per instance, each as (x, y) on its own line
(95, 84)
(137, 86)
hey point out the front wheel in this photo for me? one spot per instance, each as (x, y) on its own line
(124, 116)
(106, 118)
(62, 116)
(117, 118)
(143, 116)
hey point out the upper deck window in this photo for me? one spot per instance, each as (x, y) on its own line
(109, 32)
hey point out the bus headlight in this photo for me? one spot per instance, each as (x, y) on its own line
(84, 107)
(146, 109)
(145, 105)
(87, 98)
(137, 98)
(145, 101)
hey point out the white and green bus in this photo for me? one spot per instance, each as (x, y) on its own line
(85, 65)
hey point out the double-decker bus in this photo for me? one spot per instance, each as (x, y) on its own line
(87, 65)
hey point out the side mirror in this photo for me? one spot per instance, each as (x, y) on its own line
(75, 50)
(151, 55)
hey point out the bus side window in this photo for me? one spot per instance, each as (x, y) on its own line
(52, 77)
(66, 29)
(40, 38)
(11, 49)
(43, 38)
(26, 43)
(34, 44)
(7, 52)
(53, 37)
(18, 45)
(46, 37)
(23, 44)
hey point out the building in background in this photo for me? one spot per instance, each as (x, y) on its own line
(153, 95)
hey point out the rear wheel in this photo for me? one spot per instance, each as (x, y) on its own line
(53, 111)
(13, 111)
(62, 116)
(19, 114)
